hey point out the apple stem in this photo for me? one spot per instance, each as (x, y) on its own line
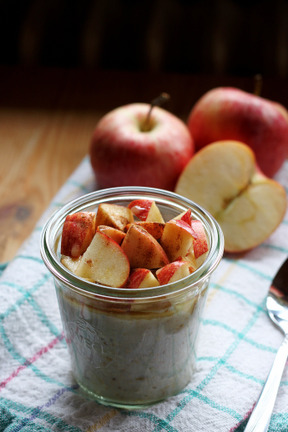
(258, 84)
(158, 101)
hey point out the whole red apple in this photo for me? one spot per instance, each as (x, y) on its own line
(129, 148)
(229, 113)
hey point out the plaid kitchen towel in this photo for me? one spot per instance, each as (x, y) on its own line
(238, 346)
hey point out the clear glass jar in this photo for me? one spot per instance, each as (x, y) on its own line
(131, 347)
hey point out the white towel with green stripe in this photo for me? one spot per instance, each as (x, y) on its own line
(238, 345)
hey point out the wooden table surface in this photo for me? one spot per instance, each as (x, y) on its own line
(47, 117)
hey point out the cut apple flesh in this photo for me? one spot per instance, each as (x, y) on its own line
(224, 179)
(104, 262)
(114, 215)
(116, 234)
(70, 263)
(252, 216)
(216, 175)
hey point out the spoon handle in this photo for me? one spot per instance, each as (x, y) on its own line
(260, 417)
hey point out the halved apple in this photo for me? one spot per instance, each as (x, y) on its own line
(142, 278)
(78, 231)
(104, 262)
(146, 210)
(223, 178)
(142, 249)
(114, 215)
(174, 271)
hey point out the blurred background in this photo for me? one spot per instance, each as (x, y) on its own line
(235, 37)
(65, 63)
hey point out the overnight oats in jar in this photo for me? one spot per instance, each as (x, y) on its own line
(131, 267)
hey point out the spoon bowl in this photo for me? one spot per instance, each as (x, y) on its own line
(277, 308)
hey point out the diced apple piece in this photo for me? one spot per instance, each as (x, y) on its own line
(70, 263)
(200, 242)
(114, 215)
(142, 278)
(78, 231)
(224, 179)
(174, 271)
(186, 216)
(142, 249)
(116, 234)
(104, 262)
(146, 210)
(177, 241)
(154, 228)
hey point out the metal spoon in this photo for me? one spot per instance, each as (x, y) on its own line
(277, 307)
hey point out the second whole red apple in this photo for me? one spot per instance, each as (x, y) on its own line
(227, 113)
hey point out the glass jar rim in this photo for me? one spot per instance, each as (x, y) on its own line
(52, 227)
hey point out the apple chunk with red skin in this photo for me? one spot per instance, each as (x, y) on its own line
(226, 113)
(142, 278)
(177, 241)
(223, 178)
(146, 210)
(174, 271)
(128, 150)
(200, 242)
(104, 262)
(186, 216)
(78, 231)
(142, 249)
(153, 228)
